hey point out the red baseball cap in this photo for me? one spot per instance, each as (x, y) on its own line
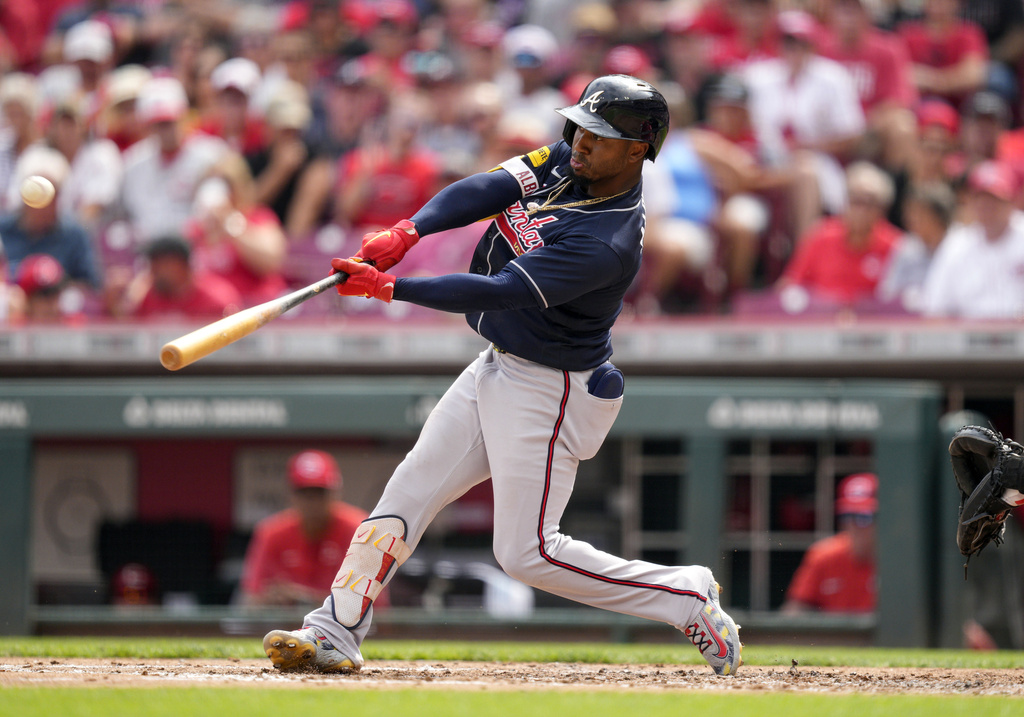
(313, 469)
(485, 34)
(796, 23)
(937, 112)
(397, 12)
(626, 60)
(857, 495)
(39, 272)
(996, 178)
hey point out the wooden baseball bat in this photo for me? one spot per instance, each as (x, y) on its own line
(204, 341)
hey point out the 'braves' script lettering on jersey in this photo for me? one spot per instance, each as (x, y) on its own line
(520, 229)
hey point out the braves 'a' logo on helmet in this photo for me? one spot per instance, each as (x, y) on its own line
(592, 100)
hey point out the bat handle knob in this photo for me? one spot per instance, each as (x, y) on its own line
(170, 358)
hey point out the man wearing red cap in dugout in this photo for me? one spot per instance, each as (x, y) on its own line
(293, 555)
(837, 573)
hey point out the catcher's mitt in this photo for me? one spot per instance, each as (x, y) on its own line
(989, 470)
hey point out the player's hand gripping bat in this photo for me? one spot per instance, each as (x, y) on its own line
(204, 341)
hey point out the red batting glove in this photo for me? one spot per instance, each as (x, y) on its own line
(363, 280)
(386, 247)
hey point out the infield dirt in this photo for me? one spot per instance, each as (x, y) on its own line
(518, 675)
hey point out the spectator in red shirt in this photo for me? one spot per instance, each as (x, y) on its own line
(389, 177)
(841, 259)
(756, 36)
(294, 555)
(717, 19)
(170, 289)
(236, 237)
(881, 71)
(837, 573)
(950, 55)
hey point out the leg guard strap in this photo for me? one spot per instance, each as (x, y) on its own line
(377, 546)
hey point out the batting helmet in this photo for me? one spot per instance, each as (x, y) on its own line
(620, 107)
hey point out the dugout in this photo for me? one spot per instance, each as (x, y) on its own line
(683, 454)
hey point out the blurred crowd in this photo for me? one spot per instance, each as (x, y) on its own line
(826, 157)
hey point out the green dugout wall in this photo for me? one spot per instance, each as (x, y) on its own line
(900, 420)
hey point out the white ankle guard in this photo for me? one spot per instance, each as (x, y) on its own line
(378, 544)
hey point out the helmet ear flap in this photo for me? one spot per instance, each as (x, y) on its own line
(569, 132)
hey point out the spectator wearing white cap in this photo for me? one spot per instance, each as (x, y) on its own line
(117, 120)
(89, 46)
(234, 82)
(91, 187)
(125, 18)
(19, 105)
(278, 167)
(30, 230)
(161, 172)
(530, 53)
(978, 268)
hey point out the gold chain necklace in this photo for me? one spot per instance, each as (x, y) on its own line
(532, 207)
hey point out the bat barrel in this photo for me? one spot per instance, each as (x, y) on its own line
(205, 340)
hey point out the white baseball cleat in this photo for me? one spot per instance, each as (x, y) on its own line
(716, 635)
(308, 649)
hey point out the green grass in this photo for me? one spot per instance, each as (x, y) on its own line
(250, 648)
(157, 702)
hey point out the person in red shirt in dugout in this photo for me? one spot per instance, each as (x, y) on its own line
(294, 555)
(837, 574)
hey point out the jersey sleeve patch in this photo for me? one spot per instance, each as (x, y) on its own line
(539, 156)
(522, 173)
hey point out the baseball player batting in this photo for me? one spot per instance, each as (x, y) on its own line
(545, 285)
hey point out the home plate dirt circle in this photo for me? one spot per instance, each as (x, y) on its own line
(76, 672)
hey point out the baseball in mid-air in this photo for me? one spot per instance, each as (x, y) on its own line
(37, 192)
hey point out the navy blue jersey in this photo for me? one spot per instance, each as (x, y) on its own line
(578, 261)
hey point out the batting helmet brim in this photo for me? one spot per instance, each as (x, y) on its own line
(592, 122)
